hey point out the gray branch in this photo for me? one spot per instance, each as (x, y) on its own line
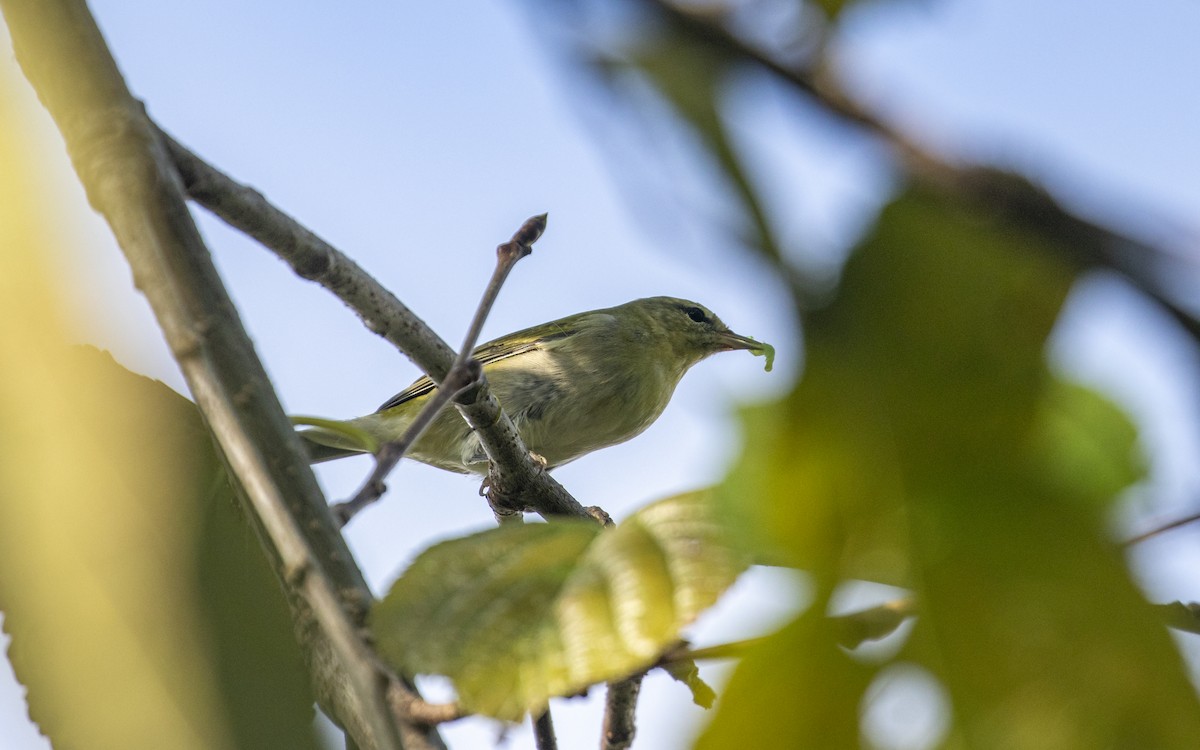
(543, 731)
(130, 179)
(517, 481)
(620, 713)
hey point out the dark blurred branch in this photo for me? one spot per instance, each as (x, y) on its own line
(1017, 200)
(517, 479)
(129, 178)
(856, 628)
(1178, 523)
(620, 713)
(706, 27)
(543, 731)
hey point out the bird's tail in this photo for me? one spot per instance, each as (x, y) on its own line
(327, 445)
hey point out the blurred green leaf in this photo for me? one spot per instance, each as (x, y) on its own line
(265, 686)
(797, 689)
(928, 445)
(167, 604)
(833, 8)
(1086, 445)
(521, 613)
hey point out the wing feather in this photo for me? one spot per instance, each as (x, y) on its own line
(493, 351)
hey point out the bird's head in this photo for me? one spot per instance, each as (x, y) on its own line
(690, 331)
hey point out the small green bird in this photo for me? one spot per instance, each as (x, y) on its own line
(571, 386)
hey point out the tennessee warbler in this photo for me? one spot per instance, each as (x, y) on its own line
(571, 386)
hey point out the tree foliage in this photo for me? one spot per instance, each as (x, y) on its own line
(926, 444)
(523, 613)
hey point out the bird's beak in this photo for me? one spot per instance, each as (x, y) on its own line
(730, 341)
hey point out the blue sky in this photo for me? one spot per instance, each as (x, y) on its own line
(417, 136)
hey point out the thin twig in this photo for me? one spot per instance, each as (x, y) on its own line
(507, 256)
(620, 713)
(731, 650)
(516, 479)
(543, 731)
(856, 628)
(462, 376)
(410, 706)
(874, 623)
(1162, 529)
(464, 373)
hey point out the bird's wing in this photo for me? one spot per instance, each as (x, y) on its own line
(493, 351)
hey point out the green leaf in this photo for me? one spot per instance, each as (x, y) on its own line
(833, 8)
(1086, 445)
(521, 613)
(141, 608)
(929, 446)
(796, 689)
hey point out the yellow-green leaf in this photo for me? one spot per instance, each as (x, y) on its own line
(929, 445)
(1086, 445)
(141, 610)
(796, 689)
(522, 613)
(133, 582)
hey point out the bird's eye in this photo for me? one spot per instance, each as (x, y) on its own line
(696, 314)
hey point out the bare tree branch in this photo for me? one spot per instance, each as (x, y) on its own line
(409, 705)
(855, 628)
(543, 731)
(508, 254)
(874, 623)
(1177, 523)
(620, 713)
(464, 373)
(1017, 200)
(517, 480)
(130, 180)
